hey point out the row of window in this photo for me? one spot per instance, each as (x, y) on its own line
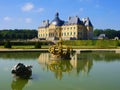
(64, 28)
(63, 34)
(68, 28)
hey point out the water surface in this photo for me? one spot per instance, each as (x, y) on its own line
(85, 71)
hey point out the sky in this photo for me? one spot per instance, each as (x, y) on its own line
(29, 14)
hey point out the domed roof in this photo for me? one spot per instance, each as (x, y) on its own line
(56, 21)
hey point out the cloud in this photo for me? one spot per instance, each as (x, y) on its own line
(7, 18)
(27, 7)
(28, 20)
(39, 10)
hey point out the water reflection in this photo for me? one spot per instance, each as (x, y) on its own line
(18, 84)
(58, 67)
(19, 55)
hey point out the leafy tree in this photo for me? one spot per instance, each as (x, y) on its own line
(97, 32)
(7, 44)
(110, 33)
(18, 34)
(37, 45)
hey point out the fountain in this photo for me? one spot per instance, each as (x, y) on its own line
(59, 51)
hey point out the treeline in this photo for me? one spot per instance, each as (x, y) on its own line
(29, 34)
(110, 33)
(17, 34)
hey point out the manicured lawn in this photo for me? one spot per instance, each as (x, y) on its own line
(20, 47)
(47, 46)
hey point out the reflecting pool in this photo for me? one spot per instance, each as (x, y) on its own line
(85, 71)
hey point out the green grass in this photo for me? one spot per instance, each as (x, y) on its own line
(20, 47)
(76, 44)
(47, 46)
(23, 47)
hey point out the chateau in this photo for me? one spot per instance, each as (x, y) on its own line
(73, 29)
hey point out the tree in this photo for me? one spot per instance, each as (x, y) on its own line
(37, 45)
(110, 33)
(7, 44)
(18, 34)
(97, 32)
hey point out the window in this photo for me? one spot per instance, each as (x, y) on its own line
(74, 33)
(64, 34)
(68, 33)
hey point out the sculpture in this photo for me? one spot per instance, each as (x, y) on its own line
(60, 51)
(22, 71)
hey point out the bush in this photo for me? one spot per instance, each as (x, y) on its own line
(37, 45)
(7, 44)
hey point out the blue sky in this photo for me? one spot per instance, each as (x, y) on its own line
(28, 14)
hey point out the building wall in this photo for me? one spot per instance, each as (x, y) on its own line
(89, 32)
(68, 32)
(73, 29)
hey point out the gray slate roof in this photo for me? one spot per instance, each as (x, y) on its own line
(87, 22)
(56, 21)
(75, 20)
(72, 20)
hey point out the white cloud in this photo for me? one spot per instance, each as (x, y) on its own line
(7, 18)
(39, 10)
(27, 7)
(28, 20)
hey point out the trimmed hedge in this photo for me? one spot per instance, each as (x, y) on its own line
(98, 43)
(23, 43)
(38, 45)
(7, 44)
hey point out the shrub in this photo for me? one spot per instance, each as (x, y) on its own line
(37, 45)
(7, 44)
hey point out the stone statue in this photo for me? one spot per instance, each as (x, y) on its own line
(22, 71)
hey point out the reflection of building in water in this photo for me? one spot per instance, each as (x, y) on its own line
(79, 63)
(44, 60)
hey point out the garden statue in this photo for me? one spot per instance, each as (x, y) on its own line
(22, 71)
(57, 51)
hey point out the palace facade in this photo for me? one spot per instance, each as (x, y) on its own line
(73, 29)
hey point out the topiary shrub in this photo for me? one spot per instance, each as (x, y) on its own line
(7, 44)
(37, 45)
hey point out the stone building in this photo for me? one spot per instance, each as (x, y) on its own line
(73, 29)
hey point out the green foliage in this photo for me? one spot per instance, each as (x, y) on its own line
(79, 42)
(37, 45)
(7, 44)
(110, 33)
(18, 34)
(93, 43)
